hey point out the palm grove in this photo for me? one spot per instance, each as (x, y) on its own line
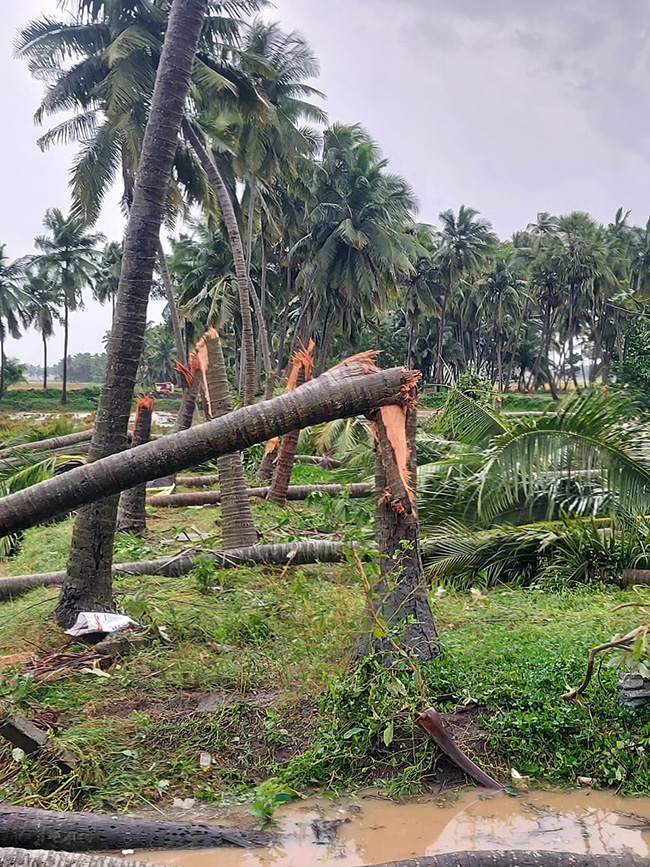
(280, 229)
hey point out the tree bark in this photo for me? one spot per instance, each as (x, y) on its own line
(181, 353)
(289, 553)
(75, 832)
(131, 512)
(11, 857)
(264, 338)
(234, 238)
(237, 527)
(267, 464)
(294, 492)
(2, 362)
(521, 858)
(89, 583)
(400, 594)
(346, 390)
(286, 454)
(44, 362)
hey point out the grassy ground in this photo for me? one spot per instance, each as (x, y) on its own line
(257, 673)
(82, 397)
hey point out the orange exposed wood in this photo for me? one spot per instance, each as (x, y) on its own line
(188, 372)
(144, 401)
(271, 446)
(366, 359)
(203, 362)
(302, 357)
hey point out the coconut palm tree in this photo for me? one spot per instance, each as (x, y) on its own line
(467, 241)
(69, 253)
(89, 581)
(12, 306)
(360, 245)
(107, 276)
(42, 306)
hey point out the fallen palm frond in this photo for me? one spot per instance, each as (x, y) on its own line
(50, 444)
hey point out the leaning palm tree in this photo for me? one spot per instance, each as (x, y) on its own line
(69, 253)
(42, 306)
(89, 579)
(12, 305)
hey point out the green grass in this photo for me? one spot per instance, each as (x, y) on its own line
(273, 647)
(49, 400)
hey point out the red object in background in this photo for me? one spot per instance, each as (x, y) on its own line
(164, 388)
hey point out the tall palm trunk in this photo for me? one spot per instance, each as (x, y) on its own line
(234, 238)
(284, 327)
(252, 189)
(88, 585)
(346, 390)
(131, 513)
(439, 342)
(326, 340)
(44, 362)
(66, 329)
(181, 354)
(237, 527)
(263, 333)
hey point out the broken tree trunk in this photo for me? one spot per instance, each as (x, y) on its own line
(294, 492)
(131, 512)
(237, 527)
(521, 858)
(11, 857)
(302, 365)
(76, 832)
(287, 553)
(345, 390)
(400, 594)
(474, 858)
(270, 456)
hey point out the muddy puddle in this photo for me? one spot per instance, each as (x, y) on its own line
(374, 830)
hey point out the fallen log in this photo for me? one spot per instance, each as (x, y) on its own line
(433, 725)
(521, 858)
(293, 553)
(11, 857)
(48, 445)
(342, 391)
(294, 492)
(629, 577)
(29, 828)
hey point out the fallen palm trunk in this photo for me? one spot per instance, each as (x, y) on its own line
(294, 492)
(11, 857)
(50, 444)
(521, 858)
(292, 553)
(76, 832)
(433, 725)
(343, 391)
(629, 577)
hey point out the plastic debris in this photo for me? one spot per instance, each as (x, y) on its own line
(89, 622)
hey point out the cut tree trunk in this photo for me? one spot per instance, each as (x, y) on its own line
(400, 594)
(289, 553)
(89, 585)
(346, 390)
(132, 513)
(237, 527)
(76, 832)
(234, 238)
(294, 492)
(11, 857)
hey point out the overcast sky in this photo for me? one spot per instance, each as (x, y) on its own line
(511, 106)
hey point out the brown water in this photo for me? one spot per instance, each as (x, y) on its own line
(376, 830)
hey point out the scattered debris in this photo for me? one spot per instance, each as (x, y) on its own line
(91, 622)
(28, 738)
(633, 690)
(56, 664)
(325, 830)
(17, 658)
